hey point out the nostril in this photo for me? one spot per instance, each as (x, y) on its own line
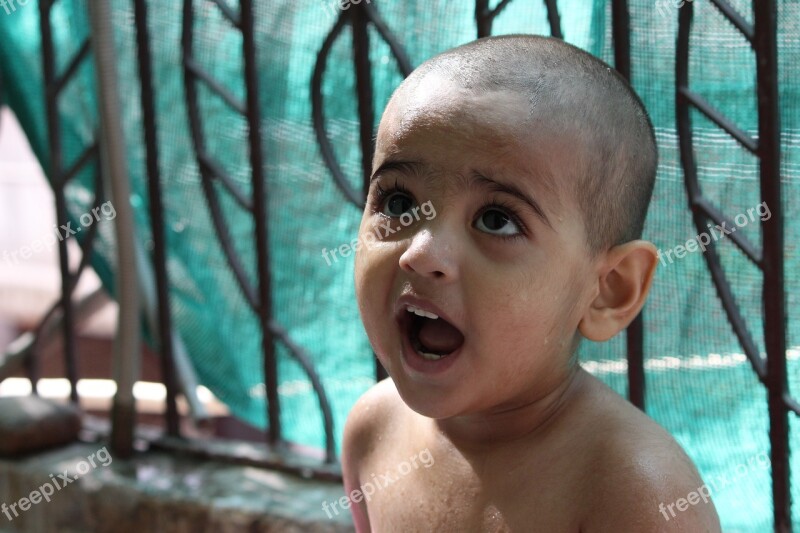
(424, 259)
(405, 265)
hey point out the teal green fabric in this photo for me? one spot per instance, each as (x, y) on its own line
(699, 385)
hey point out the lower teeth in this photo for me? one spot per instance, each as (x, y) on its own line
(430, 356)
(417, 345)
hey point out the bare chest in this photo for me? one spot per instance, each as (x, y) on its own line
(453, 494)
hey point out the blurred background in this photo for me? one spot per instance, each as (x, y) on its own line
(231, 141)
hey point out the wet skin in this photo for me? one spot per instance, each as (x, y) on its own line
(512, 274)
(523, 438)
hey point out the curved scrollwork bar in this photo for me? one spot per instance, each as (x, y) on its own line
(358, 17)
(702, 210)
(60, 176)
(192, 73)
(318, 118)
(31, 361)
(258, 297)
(484, 17)
(305, 362)
(772, 370)
(403, 63)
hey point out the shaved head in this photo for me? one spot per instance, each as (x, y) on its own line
(579, 99)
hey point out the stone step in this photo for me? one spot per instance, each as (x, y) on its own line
(159, 492)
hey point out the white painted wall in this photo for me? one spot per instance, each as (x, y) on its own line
(28, 286)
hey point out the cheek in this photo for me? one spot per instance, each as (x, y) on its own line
(530, 310)
(375, 266)
(369, 295)
(366, 259)
(367, 280)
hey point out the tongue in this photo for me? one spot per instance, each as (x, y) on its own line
(439, 337)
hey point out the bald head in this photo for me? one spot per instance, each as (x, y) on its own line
(581, 100)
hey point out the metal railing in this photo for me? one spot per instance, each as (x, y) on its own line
(771, 370)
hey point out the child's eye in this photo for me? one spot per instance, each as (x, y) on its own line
(497, 222)
(396, 204)
(392, 202)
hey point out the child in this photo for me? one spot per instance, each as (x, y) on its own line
(539, 161)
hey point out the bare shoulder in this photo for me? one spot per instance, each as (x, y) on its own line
(376, 408)
(642, 479)
(369, 418)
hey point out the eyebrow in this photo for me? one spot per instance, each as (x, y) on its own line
(415, 169)
(405, 167)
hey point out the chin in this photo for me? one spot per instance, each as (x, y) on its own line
(427, 400)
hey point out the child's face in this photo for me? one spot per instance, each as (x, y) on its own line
(513, 282)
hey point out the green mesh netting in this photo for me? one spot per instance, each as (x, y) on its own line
(699, 385)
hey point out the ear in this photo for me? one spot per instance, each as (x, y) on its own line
(624, 277)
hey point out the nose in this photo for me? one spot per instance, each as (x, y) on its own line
(431, 257)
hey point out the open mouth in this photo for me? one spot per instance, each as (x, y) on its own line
(431, 336)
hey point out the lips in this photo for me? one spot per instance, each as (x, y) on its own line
(429, 334)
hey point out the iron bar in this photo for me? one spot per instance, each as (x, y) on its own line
(735, 18)
(367, 13)
(771, 372)
(737, 322)
(621, 31)
(69, 72)
(29, 344)
(719, 119)
(215, 171)
(88, 240)
(706, 208)
(501, 6)
(229, 13)
(483, 18)
(226, 243)
(55, 169)
(33, 371)
(318, 117)
(199, 72)
(403, 63)
(87, 155)
(274, 432)
(258, 298)
(700, 215)
(366, 111)
(553, 18)
(159, 258)
(634, 344)
(774, 293)
(324, 405)
(634, 333)
(195, 128)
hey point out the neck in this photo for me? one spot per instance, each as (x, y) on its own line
(527, 419)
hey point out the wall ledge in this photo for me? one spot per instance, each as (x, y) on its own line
(157, 491)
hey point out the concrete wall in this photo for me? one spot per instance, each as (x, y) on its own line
(158, 492)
